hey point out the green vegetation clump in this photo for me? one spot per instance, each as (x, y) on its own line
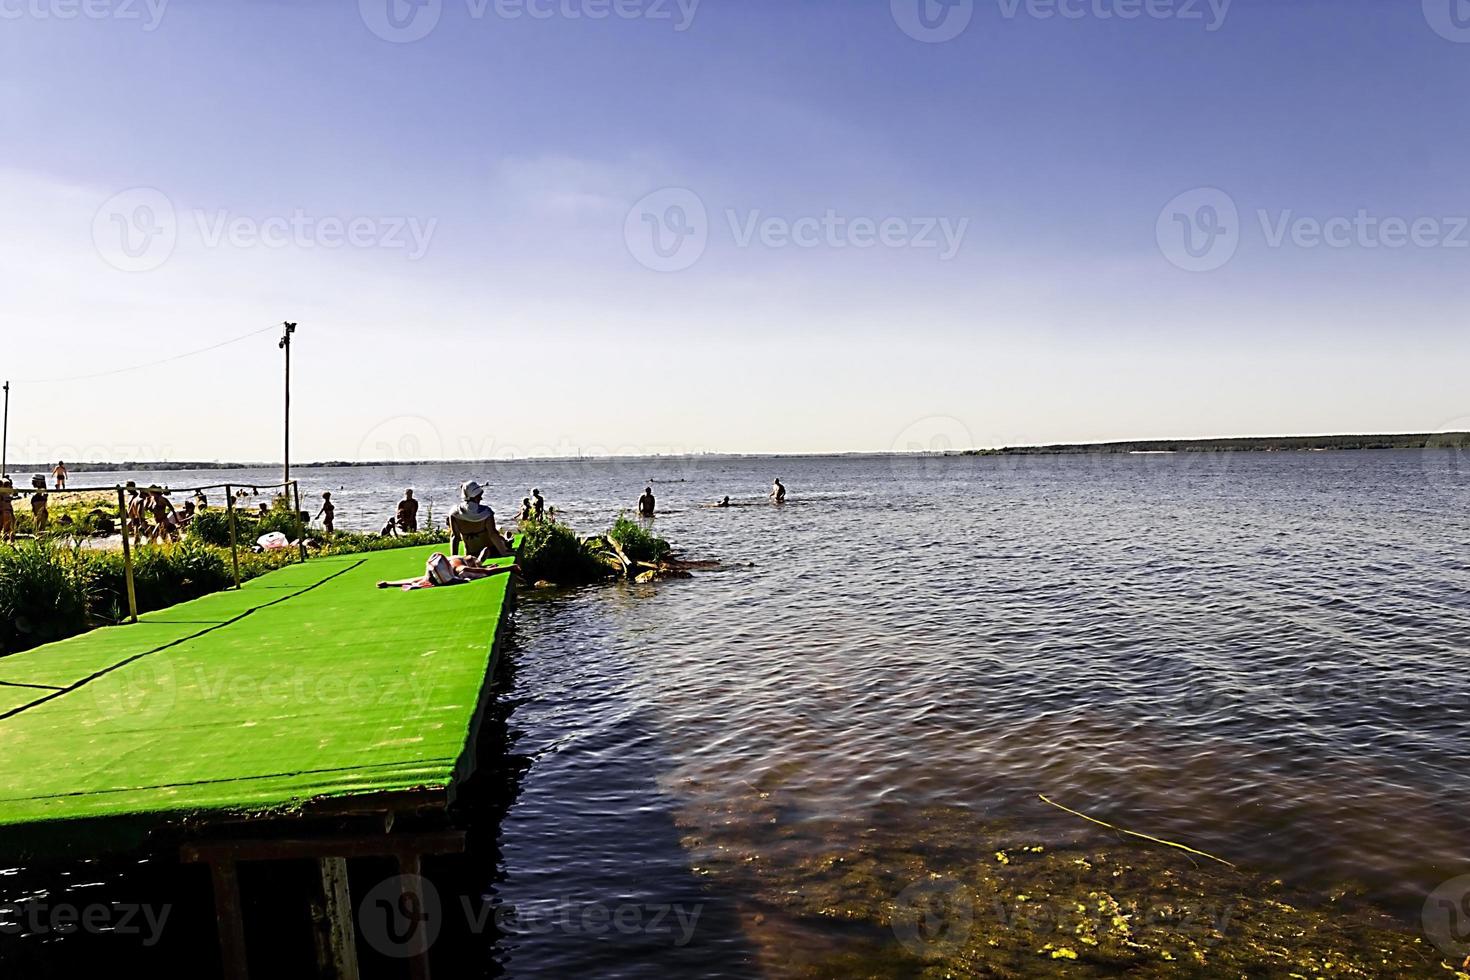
(42, 596)
(552, 552)
(637, 542)
(50, 592)
(212, 526)
(352, 542)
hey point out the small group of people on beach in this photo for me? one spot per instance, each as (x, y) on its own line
(168, 521)
(40, 504)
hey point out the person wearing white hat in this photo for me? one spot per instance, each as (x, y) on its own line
(474, 523)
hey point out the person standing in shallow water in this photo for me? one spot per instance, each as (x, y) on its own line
(646, 503)
(538, 504)
(408, 513)
(59, 475)
(328, 513)
(778, 492)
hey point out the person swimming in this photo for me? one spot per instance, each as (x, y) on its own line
(724, 503)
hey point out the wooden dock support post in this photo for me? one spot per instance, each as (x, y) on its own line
(229, 920)
(336, 944)
(234, 547)
(122, 516)
(336, 939)
(301, 524)
(411, 868)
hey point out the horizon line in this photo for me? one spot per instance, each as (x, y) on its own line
(184, 464)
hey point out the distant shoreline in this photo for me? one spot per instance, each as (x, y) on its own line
(1422, 440)
(1244, 444)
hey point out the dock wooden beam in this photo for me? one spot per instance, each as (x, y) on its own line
(336, 937)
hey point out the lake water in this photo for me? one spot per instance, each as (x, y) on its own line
(1262, 655)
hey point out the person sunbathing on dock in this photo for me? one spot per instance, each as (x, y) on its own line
(441, 570)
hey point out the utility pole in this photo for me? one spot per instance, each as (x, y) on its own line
(5, 436)
(285, 345)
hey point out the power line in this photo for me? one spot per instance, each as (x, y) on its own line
(149, 364)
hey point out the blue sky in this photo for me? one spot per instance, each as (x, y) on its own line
(891, 242)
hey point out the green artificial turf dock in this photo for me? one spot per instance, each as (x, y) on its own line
(308, 683)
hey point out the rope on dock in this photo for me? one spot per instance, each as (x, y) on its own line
(1132, 833)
